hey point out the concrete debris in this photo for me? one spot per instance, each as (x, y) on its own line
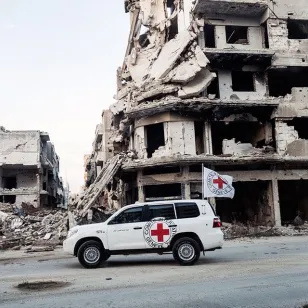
(90, 197)
(185, 71)
(46, 227)
(170, 53)
(239, 230)
(237, 148)
(155, 91)
(201, 81)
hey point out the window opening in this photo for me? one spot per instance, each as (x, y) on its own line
(297, 29)
(237, 35)
(243, 81)
(155, 137)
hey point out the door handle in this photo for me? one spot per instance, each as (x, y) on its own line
(173, 226)
(137, 228)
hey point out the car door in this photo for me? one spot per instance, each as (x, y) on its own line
(161, 225)
(125, 231)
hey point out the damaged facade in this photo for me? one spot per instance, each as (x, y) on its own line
(217, 82)
(29, 170)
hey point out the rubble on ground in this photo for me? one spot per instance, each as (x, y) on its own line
(240, 230)
(28, 226)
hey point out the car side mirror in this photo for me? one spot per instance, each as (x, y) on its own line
(158, 218)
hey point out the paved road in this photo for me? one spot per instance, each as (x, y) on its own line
(259, 273)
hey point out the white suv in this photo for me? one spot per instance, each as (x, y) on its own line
(185, 227)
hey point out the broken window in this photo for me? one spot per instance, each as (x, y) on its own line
(293, 200)
(237, 35)
(209, 36)
(155, 137)
(281, 81)
(249, 205)
(243, 81)
(173, 29)
(9, 199)
(9, 182)
(163, 192)
(297, 29)
(300, 125)
(244, 132)
(199, 129)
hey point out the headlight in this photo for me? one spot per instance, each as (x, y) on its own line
(72, 232)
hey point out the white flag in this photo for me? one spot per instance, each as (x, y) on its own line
(216, 185)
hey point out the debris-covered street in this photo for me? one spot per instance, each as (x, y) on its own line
(268, 272)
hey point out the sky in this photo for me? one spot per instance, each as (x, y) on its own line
(58, 62)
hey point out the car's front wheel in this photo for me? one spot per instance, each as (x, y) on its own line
(90, 254)
(186, 251)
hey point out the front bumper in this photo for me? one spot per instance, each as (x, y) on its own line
(68, 246)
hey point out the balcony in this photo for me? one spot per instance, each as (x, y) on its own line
(99, 133)
(247, 8)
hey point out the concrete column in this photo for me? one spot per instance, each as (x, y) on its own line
(186, 185)
(268, 131)
(276, 203)
(141, 195)
(208, 148)
(38, 179)
(201, 38)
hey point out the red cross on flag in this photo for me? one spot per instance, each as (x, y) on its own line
(216, 185)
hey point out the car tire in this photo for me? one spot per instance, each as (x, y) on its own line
(186, 251)
(90, 254)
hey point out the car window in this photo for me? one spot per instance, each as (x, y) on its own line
(187, 210)
(162, 210)
(129, 216)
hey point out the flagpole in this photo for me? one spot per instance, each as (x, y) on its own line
(202, 181)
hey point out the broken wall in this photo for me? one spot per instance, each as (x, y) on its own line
(230, 84)
(295, 105)
(289, 9)
(178, 135)
(278, 36)
(285, 135)
(20, 148)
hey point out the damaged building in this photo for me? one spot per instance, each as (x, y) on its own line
(217, 82)
(29, 170)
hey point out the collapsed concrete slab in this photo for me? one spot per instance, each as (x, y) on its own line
(197, 85)
(170, 53)
(90, 196)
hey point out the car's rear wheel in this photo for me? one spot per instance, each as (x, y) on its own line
(90, 254)
(186, 251)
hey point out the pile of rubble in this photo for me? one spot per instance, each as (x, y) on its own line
(26, 225)
(239, 230)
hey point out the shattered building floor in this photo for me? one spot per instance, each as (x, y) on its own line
(217, 82)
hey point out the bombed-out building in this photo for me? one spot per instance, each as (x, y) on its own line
(29, 169)
(217, 82)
